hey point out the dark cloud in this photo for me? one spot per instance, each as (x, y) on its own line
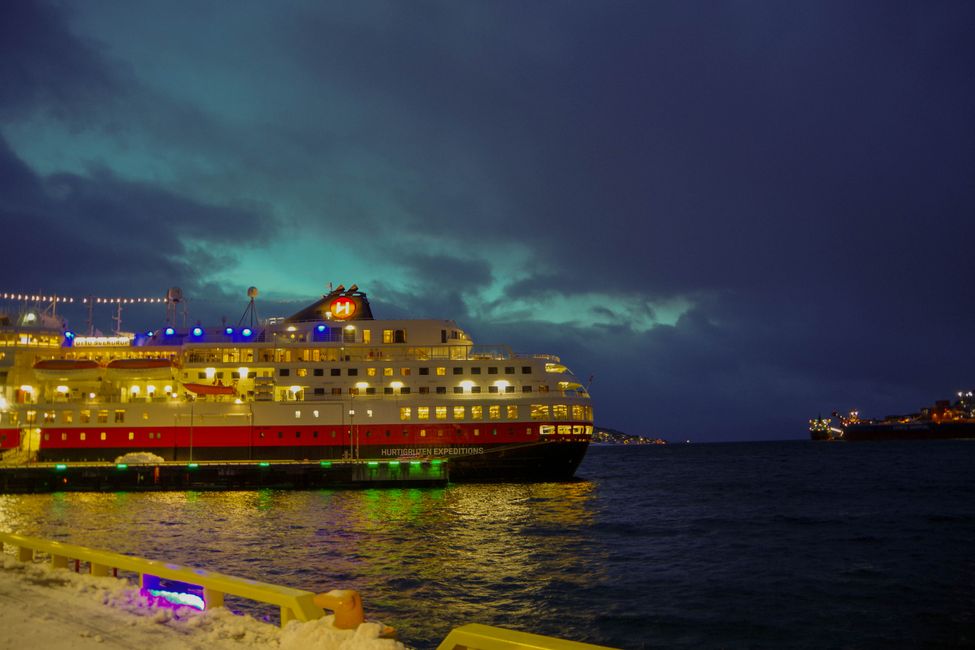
(796, 179)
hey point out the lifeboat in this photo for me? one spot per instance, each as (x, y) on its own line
(135, 369)
(208, 389)
(67, 369)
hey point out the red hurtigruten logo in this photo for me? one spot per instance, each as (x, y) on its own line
(342, 308)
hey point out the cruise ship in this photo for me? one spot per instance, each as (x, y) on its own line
(328, 382)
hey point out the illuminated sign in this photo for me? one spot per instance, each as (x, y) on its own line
(102, 340)
(342, 308)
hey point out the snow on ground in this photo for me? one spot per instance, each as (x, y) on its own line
(58, 609)
(140, 458)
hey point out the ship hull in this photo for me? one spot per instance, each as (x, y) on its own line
(911, 431)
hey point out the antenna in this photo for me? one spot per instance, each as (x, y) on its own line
(251, 309)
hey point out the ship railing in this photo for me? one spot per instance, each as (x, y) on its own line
(295, 604)
(548, 357)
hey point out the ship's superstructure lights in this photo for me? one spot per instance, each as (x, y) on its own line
(246, 332)
(243, 372)
(3, 403)
(197, 331)
(150, 389)
(62, 389)
(134, 390)
(320, 328)
(362, 385)
(229, 331)
(69, 335)
(467, 384)
(295, 390)
(292, 328)
(169, 331)
(350, 328)
(502, 384)
(27, 389)
(396, 384)
(210, 372)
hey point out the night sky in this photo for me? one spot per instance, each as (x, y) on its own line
(735, 216)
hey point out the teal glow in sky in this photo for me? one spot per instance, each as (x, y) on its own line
(713, 208)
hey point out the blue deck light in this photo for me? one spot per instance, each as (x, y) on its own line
(197, 331)
(170, 331)
(229, 331)
(247, 331)
(320, 328)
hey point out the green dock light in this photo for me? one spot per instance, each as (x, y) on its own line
(435, 462)
(415, 462)
(121, 466)
(325, 463)
(60, 467)
(393, 463)
(192, 466)
(373, 463)
(264, 464)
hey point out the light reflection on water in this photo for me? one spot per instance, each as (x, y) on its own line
(425, 560)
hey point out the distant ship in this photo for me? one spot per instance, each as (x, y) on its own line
(944, 421)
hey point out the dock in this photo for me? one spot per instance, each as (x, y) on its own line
(221, 475)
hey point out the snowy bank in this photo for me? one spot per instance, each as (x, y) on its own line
(58, 608)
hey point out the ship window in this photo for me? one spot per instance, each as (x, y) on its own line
(492, 370)
(302, 372)
(526, 370)
(477, 412)
(284, 372)
(509, 370)
(47, 436)
(458, 412)
(371, 390)
(387, 390)
(371, 372)
(348, 336)
(494, 412)
(336, 391)
(404, 412)
(475, 389)
(512, 411)
(399, 336)
(441, 412)
(201, 375)
(103, 416)
(48, 417)
(297, 414)
(335, 372)
(422, 412)
(560, 412)
(367, 336)
(387, 336)
(280, 434)
(297, 434)
(424, 371)
(475, 370)
(352, 372)
(477, 432)
(319, 372)
(539, 411)
(577, 412)
(423, 433)
(543, 388)
(441, 390)
(458, 389)
(492, 389)
(405, 372)
(64, 436)
(441, 371)
(458, 370)
(526, 389)
(82, 436)
(145, 415)
(424, 390)
(314, 434)
(103, 436)
(131, 435)
(387, 372)
(319, 391)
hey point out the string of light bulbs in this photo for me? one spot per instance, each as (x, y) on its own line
(40, 297)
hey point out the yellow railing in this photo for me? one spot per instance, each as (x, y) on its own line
(295, 604)
(486, 637)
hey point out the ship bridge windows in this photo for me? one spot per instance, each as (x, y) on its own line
(459, 412)
(512, 411)
(494, 412)
(404, 412)
(578, 412)
(560, 412)
(477, 412)
(539, 411)
(441, 372)
(441, 412)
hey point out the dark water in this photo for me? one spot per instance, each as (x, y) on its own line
(750, 545)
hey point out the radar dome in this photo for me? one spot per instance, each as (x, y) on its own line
(252, 292)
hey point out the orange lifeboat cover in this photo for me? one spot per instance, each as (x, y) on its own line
(207, 389)
(66, 364)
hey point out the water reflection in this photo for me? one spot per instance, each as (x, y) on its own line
(425, 559)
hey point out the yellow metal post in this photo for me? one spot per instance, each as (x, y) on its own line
(59, 562)
(25, 554)
(212, 598)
